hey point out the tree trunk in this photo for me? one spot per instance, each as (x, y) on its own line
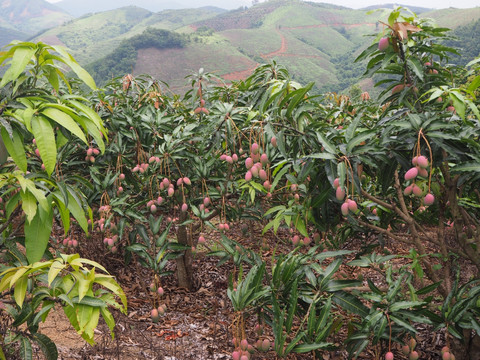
(469, 350)
(184, 263)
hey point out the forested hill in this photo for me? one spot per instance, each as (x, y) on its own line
(467, 40)
(30, 16)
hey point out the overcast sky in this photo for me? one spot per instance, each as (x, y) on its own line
(356, 4)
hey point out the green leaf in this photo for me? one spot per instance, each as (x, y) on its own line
(329, 271)
(89, 301)
(300, 225)
(70, 312)
(373, 287)
(21, 58)
(24, 315)
(298, 95)
(452, 330)
(2, 355)
(429, 288)
(63, 211)
(29, 204)
(336, 285)
(39, 194)
(66, 121)
(45, 139)
(417, 67)
(400, 305)
(112, 285)
(84, 313)
(324, 156)
(42, 314)
(329, 147)
(67, 300)
(458, 102)
(55, 268)
(37, 234)
(81, 262)
(15, 148)
(77, 69)
(279, 175)
(363, 136)
(380, 328)
(467, 167)
(25, 349)
(304, 348)
(77, 211)
(48, 347)
(84, 285)
(350, 303)
(474, 84)
(92, 323)
(109, 320)
(403, 324)
(93, 130)
(20, 290)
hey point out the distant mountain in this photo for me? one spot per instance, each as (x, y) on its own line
(416, 9)
(79, 8)
(7, 35)
(31, 16)
(316, 42)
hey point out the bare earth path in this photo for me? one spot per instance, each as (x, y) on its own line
(282, 51)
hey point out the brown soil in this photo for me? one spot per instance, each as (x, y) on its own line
(197, 325)
(282, 50)
(239, 75)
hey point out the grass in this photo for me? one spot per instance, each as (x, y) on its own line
(329, 40)
(254, 42)
(305, 70)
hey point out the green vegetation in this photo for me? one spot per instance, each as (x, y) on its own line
(156, 177)
(467, 42)
(123, 58)
(36, 123)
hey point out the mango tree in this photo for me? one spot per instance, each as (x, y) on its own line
(40, 113)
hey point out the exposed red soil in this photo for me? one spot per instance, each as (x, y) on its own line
(239, 75)
(52, 40)
(283, 47)
(282, 51)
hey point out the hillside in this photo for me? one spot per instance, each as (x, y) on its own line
(416, 9)
(31, 16)
(80, 8)
(92, 37)
(7, 35)
(310, 39)
(315, 41)
(469, 45)
(453, 18)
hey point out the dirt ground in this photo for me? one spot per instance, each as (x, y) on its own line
(197, 325)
